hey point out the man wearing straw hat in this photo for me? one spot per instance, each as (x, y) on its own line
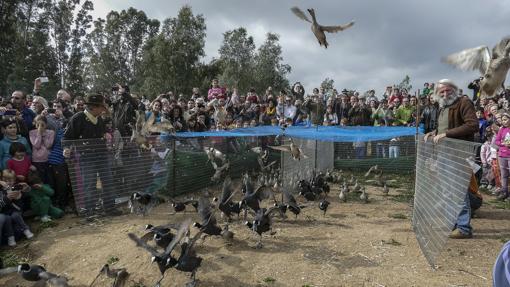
(457, 119)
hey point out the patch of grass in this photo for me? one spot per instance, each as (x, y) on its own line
(397, 216)
(45, 225)
(11, 258)
(112, 260)
(499, 204)
(306, 285)
(138, 284)
(269, 280)
(403, 196)
(391, 242)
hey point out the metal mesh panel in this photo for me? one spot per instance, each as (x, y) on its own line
(325, 158)
(395, 155)
(294, 170)
(103, 174)
(442, 179)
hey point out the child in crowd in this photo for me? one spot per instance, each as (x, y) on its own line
(40, 201)
(486, 159)
(503, 141)
(42, 141)
(10, 135)
(20, 163)
(11, 208)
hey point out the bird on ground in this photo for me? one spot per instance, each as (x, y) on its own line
(162, 234)
(180, 206)
(119, 275)
(364, 196)
(290, 202)
(352, 180)
(493, 68)
(213, 154)
(36, 273)
(253, 199)
(208, 224)
(323, 205)
(226, 233)
(343, 196)
(357, 187)
(163, 259)
(225, 203)
(386, 190)
(188, 260)
(317, 29)
(295, 151)
(372, 168)
(261, 223)
(142, 203)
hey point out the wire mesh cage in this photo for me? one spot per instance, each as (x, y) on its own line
(397, 154)
(443, 174)
(105, 173)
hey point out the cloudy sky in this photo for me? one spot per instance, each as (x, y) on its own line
(390, 39)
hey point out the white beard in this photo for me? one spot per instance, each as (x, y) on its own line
(446, 102)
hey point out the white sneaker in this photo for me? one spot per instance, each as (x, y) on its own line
(28, 233)
(11, 241)
(45, 218)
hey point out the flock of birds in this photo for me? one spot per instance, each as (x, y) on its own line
(256, 201)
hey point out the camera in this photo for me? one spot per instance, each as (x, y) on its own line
(51, 111)
(115, 88)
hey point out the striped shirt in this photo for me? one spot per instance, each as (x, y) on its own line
(56, 154)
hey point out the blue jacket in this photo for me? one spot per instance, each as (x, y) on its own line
(5, 144)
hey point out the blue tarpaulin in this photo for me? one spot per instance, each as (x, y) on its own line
(322, 133)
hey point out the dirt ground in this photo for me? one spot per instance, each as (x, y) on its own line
(355, 244)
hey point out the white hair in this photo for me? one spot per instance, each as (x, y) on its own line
(442, 101)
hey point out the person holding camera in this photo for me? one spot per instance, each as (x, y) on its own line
(475, 86)
(124, 110)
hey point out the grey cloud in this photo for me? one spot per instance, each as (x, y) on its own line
(389, 40)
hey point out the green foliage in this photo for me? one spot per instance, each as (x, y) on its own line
(236, 56)
(269, 280)
(268, 69)
(328, 85)
(60, 39)
(405, 84)
(112, 260)
(12, 258)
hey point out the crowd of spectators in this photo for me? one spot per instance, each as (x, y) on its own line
(35, 176)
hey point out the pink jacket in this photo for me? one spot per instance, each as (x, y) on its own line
(41, 144)
(504, 151)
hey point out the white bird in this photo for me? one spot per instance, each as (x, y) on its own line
(386, 190)
(363, 196)
(493, 68)
(342, 196)
(213, 153)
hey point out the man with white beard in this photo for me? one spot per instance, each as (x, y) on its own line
(457, 119)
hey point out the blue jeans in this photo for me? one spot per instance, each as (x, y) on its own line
(471, 203)
(380, 150)
(360, 152)
(394, 151)
(6, 229)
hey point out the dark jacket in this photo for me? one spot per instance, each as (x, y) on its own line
(124, 112)
(462, 120)
(429, 117)
(80, 127)
(359, 116)
(342, 111)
